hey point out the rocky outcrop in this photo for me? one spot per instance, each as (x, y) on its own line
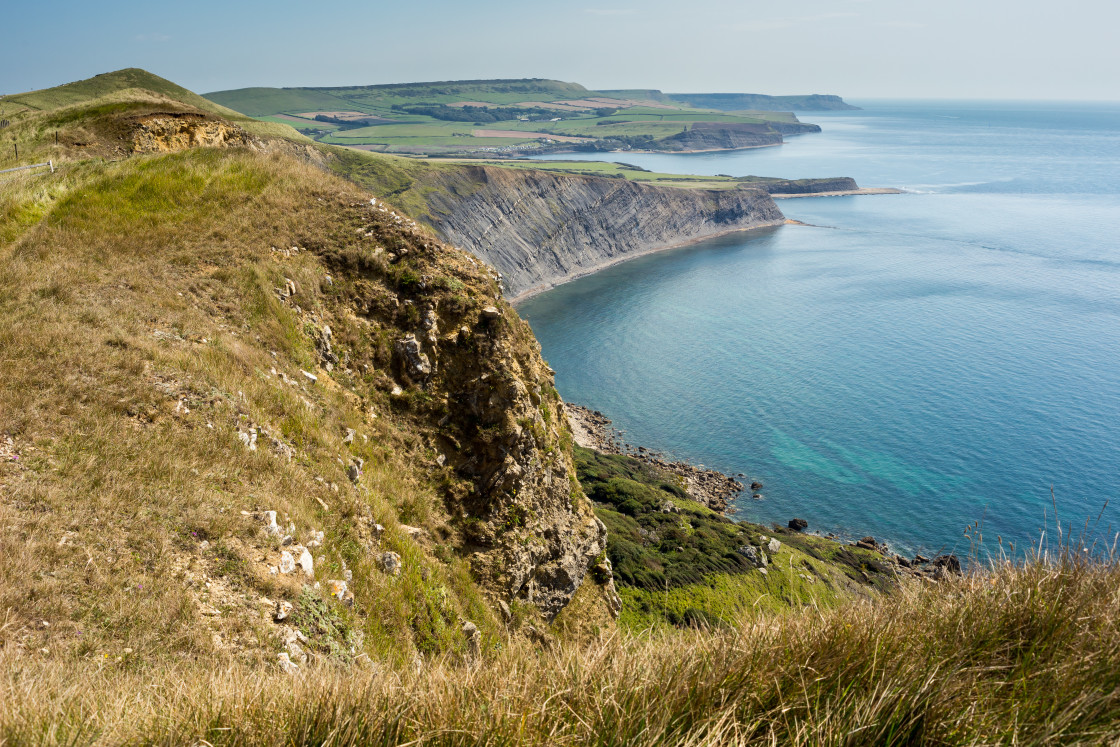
(540, 229)
(809, 186)
(166, 132)
(720, 136)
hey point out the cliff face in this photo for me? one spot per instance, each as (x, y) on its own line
(810, 186)
(541, 229)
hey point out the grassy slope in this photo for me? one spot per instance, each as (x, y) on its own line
(684, 567)
(1018, 655)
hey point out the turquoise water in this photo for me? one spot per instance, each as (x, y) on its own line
(906, 365)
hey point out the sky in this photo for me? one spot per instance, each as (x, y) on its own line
(958, 49)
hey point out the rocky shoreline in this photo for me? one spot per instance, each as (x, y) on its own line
(592, 429)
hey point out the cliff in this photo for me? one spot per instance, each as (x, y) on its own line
(258, 406)
(540, 229)
(809, 186)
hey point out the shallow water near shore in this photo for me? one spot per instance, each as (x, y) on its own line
(906, 364)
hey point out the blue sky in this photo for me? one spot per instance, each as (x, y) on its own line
(1018, 49)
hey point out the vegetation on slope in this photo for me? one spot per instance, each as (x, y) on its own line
(193, 339)
(677, 562)
(1017, 654)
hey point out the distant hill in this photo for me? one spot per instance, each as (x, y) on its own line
(261, 102)
(730, 102)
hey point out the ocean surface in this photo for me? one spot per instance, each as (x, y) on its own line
(907, 364)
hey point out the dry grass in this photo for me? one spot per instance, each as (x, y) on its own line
(139, 325)
(1018, 654)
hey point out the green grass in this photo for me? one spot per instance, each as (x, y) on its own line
(684, 568)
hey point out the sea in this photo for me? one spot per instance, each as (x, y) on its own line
(938, 369)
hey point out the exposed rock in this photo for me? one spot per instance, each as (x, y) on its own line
(539, 228)
(390, 562)
(306, 562)
(756, 485)
(337, 589)
(309, 376)
(949, 563)
(751, 553)
(283, 610)
(474, 640)
(798, 524)
(349, 437)
(774, 545)
(287, 563)
(414, 364)
(490, 313)
(287, 666)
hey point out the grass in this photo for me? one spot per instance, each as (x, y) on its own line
(145, 299)
(683, 566)
(1023, 653)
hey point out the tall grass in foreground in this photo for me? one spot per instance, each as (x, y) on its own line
(1021, 653)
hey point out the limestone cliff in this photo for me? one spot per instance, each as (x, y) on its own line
(540, 229)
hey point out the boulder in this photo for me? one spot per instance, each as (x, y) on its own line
(287, 666)
(774, 545)
(390, 562)
(474, 640)
(283, 610)
(414, 364)
(798, 525)
(337, 589)
(287, 563)
(756, 485)
(306, 562)
(950, 563)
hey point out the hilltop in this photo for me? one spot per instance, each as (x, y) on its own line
(278, 464)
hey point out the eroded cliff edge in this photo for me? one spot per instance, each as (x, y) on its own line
(541, 229)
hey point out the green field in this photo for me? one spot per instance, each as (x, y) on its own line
(436, 118)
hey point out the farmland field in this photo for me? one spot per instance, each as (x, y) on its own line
(461, 117)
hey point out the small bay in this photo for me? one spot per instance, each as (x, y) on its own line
(903, 365)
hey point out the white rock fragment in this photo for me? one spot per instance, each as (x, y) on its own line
(287, 563)
(270, 525)
(774, 545)
(307, 563)
(310, 376)
(287, 666)
(283, 610)
(337, 589)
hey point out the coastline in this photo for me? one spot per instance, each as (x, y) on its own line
(592, 430)
(535, 290)
(842, 193)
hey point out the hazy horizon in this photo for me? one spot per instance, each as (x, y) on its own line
(858, 49)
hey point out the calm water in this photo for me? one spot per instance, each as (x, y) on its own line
(909, 363)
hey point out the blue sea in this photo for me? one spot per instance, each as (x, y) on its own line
(904, 366)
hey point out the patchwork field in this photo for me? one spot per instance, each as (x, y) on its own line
(506, 117)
